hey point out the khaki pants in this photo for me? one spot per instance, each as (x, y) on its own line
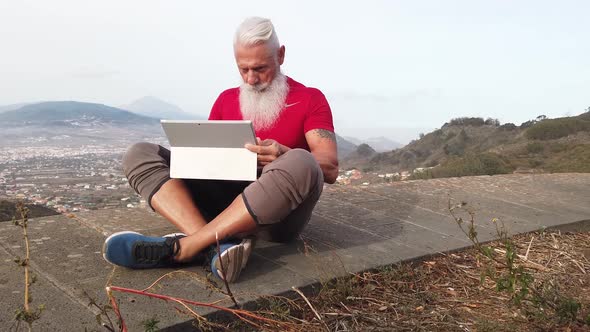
(281, 200)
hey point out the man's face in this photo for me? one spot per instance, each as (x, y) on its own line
(258, 64)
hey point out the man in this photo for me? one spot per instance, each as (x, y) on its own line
(296, 155)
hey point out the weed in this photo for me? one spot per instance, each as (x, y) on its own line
(102, 317)
(150, 325)
(535, 299)
(26, 314)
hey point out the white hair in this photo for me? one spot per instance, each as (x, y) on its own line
(256, 30)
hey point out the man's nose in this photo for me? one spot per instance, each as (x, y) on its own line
(252, 78)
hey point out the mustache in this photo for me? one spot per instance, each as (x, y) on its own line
(259, 87)
(263, 103)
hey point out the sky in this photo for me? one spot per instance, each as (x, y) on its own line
(388, 68)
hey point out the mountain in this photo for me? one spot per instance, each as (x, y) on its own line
(382, 144)
(344, 146)
(353, 140)
(474, 146)
(11, 107)
(379, 144)
(71, 114)
(361, 153)
(159, 109)
(73, 124)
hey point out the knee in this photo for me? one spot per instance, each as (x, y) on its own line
(135, 153)
(303, 168)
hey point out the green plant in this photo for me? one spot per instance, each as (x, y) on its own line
(556, 128)
(466, 121)
(535, 147)
(150, 325)
(512, 278)
(102, 317)
(575, 159)
(471, 164)
(26, 314)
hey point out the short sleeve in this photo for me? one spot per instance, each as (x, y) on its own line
(320, 114)
(217, 109)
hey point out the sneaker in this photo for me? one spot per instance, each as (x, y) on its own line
(137, 251)
(234, 256)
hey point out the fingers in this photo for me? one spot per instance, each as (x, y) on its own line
(266, 158)
(267, 142)
(268, 150)
(253, 148)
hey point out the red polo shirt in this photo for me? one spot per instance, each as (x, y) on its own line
(306, 109)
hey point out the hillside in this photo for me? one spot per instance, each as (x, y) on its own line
(12, 107)
(474, 146)
(379, 144)
(73, 124)
(71, 114)
(345, 147)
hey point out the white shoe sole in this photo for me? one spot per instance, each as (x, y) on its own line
(175, 235)
(232, 263)
(235, 259)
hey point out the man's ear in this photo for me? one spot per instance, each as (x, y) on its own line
(281, 54)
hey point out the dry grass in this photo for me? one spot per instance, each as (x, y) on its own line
(446, 293)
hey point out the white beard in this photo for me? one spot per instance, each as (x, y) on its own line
(262, 104)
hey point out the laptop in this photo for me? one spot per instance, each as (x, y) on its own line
(211, 149)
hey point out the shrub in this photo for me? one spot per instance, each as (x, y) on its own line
(556, 128)
(528, 124)
(508, 126)
(492, 122)
(457, 147)
(466, 121)
(450, 135)
(472, 164)
(576, 159)
(535, 147)
(365, 150)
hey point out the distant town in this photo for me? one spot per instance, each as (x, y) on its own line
(66, 179)
(90, 177)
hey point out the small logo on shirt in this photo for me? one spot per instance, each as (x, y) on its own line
(289, 105)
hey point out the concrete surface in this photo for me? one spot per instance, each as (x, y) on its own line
(354, 228)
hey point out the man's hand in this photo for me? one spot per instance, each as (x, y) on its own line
(268, 150)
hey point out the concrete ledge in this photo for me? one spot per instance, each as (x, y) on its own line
(353, 229)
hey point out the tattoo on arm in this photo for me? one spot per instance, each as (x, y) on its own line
(323, 133)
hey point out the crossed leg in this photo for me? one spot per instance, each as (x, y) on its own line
(175, 203)
(280, 203)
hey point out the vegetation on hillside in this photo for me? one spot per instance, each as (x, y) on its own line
(474, 146)
(557, 128)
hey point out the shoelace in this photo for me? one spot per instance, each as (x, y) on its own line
(156, 252)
